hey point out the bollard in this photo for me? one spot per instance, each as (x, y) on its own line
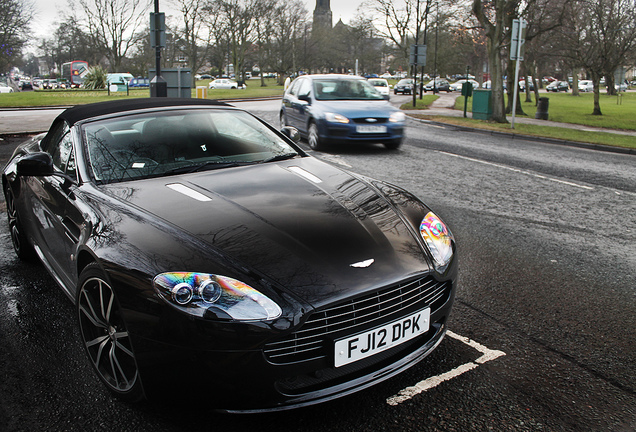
(542, 108)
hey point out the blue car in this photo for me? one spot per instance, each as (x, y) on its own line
(139, 82)
(330, 109)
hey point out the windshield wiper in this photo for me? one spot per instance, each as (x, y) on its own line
(280, 157)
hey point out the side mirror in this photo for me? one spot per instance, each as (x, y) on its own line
(291, 133)
(304, 97)
(35, 165)
(40, 165)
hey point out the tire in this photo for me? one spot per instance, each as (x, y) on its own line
(105, 336)
(313, 139)
(393, 145)
(21, 245)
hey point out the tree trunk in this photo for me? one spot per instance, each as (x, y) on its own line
(609, 81)
(496, 84)
(575, 83)
(597, 90)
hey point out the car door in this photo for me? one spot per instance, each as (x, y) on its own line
(57, 214)
(290, 100)
(302, 106)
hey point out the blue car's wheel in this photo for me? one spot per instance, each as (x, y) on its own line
(313, 139)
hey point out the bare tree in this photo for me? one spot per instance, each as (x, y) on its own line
(402, 25)
(114, 25)
(288, 25)
(15, 16)
(199, 18)
(601, 36)
(264, 32)
(240, 21)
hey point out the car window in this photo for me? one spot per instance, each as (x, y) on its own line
(304, 88)
(293, 88)
(178, 141)
(342, 89)
(61, 151)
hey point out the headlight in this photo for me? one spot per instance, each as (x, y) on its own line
(438, 238)
(397, 117)
(208, 295)
(336, 118)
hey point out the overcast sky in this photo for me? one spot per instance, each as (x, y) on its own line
(47, 12)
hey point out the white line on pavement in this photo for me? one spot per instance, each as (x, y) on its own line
(519, 171)
(429, 383)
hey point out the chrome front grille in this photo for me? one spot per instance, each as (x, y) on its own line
(314, 339)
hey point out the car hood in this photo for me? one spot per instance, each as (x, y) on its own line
(316, 230)
(353, 108)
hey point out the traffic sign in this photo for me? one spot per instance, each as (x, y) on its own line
(417, 55)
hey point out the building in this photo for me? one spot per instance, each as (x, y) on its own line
(323, 17)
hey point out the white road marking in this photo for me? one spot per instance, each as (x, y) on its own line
(519, 171)
(429, 383)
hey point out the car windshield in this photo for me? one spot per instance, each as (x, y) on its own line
(378, 83)
(341, 89)
(178, 141)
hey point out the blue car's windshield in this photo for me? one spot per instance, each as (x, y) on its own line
(345, 89)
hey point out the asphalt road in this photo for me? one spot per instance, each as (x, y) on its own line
(547, 248)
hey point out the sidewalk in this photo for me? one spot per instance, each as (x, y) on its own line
(443, 107)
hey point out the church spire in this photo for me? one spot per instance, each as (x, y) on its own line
(323, 17)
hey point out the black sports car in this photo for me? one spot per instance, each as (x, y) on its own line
(207, 253)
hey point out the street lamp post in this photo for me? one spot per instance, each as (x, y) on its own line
(158, 86)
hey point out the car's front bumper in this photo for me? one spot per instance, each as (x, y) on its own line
(330, 132)
(245, 378)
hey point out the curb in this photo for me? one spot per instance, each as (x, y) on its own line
(599, 147)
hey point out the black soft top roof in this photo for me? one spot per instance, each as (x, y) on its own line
(82, 112)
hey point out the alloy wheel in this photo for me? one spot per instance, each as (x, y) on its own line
(105, 335)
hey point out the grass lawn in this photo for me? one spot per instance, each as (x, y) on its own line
(78, 97)
(577, 135)
(423, 103)
(565, 108)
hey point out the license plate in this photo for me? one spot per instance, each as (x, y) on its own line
(370, 129)
(382, 338)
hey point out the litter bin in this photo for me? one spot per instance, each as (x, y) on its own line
(482, 104)
(542, 108)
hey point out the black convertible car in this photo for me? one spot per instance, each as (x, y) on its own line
(207, 253)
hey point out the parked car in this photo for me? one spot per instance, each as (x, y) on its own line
(558, 86)
(586, 86)
(5, 88)
(404, 86)
(26, 84)
(621, 87)
(382, 86)
(457, 86)
(49, 84)
(438, 84)
(486, 84)
(139, 82)
(225, 83)
(522, 85)
(386, 76)
(329, 109)
(209, 258)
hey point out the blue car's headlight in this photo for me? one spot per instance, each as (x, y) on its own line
(208, 295)
(397, 117)
(336, 118)
(439, 240)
